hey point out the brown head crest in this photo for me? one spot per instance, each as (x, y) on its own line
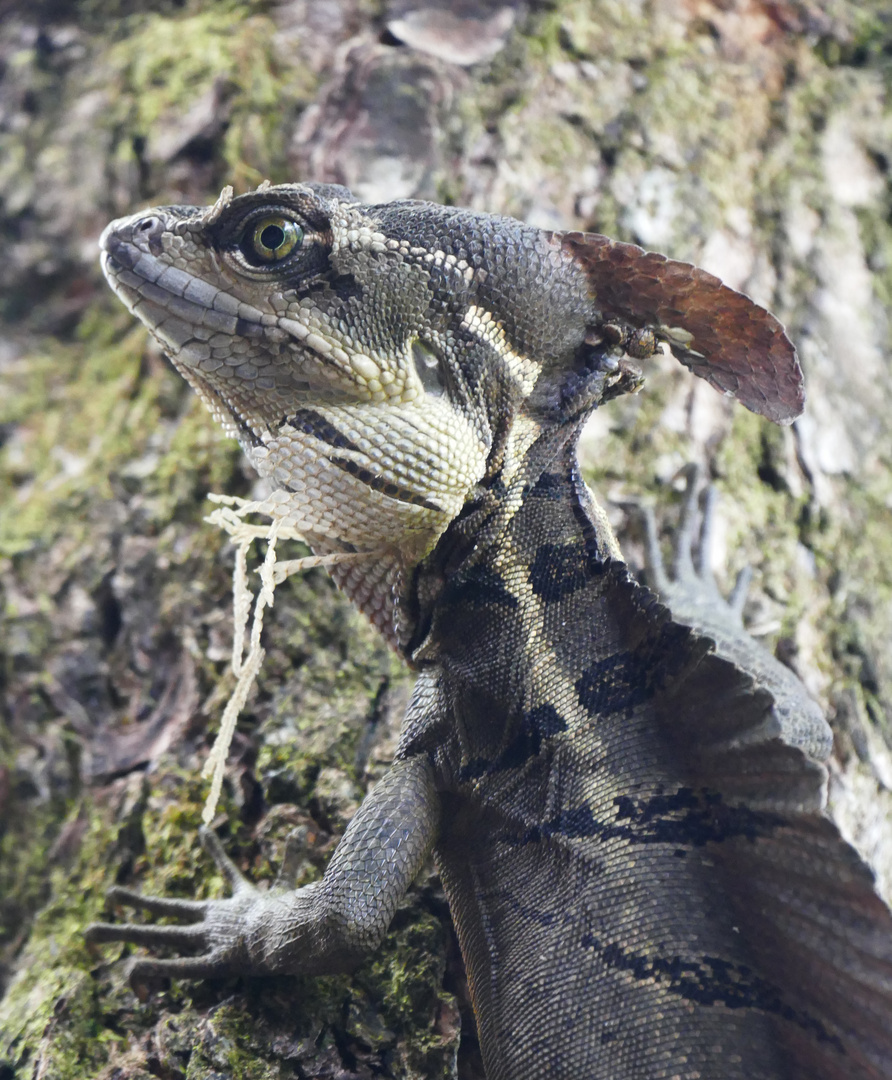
(721, 335)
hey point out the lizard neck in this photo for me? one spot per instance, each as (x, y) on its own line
(532, 534)
(530, 486)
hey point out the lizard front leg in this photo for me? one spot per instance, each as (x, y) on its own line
(322, 928)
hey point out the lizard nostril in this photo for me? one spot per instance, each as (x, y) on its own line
(147, 232)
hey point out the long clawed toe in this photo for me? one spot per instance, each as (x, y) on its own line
(193, 935)
(740, 592)
(143, 972)
(146, 934)
(191, 910)
(211, 844)
(656, 568)
(690, 579)
(684, 571)
(684, 540)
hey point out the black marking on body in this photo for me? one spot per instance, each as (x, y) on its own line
(558, 571)
(343, 286)
(536, 725)
(700, 818)
(378, 483)
(312, 423)
(584, 523)
(247, 436)
(248, 329)
(620, 683)
(478, 587)
(575, 824)
(684, 819)
(545, 721)
(617, 683)
(551, 486)
(711, 981)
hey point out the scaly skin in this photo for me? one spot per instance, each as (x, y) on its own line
(630, 835)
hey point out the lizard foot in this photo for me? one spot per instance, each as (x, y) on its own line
(216, 929)
(690, 586)
(691, 593)
(319, 929)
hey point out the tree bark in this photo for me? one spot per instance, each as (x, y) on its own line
(752, 138)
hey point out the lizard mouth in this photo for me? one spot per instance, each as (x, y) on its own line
(172, 304)
(175, 304)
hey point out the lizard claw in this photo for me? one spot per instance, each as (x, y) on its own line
(191, 910)
(143, 973)
(656, 567)
(238, 883)
(693, 596)
(683, 567)
(686, 541)
(691, 583)
(741, 589)
(145, 934)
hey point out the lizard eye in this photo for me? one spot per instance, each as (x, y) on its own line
(271, 239)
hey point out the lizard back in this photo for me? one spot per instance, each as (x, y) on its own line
(636, 859)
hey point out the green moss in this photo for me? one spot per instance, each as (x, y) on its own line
(580, 29)
(860, 36)
(54, 993)
(23, 859)
(56, 989)
(224, 1045)
(854, 558)
(288, 772)
(411, 965)
(93, 423)
(164, 64)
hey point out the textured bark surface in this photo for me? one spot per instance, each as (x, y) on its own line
(751, 138)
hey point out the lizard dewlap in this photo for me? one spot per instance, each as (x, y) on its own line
(626, 806)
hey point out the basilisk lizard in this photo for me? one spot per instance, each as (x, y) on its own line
(628, 822)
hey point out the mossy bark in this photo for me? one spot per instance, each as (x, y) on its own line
(755, 140)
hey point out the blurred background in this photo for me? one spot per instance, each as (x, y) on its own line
(751, 137)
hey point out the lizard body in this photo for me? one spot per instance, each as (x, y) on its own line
(629, 833)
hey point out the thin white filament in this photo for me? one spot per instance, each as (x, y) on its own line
(230, 517)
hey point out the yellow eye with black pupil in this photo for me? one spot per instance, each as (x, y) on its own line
(274, 238)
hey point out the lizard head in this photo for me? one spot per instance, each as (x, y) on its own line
(381, 364)
(303, 328)
(371, 360)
